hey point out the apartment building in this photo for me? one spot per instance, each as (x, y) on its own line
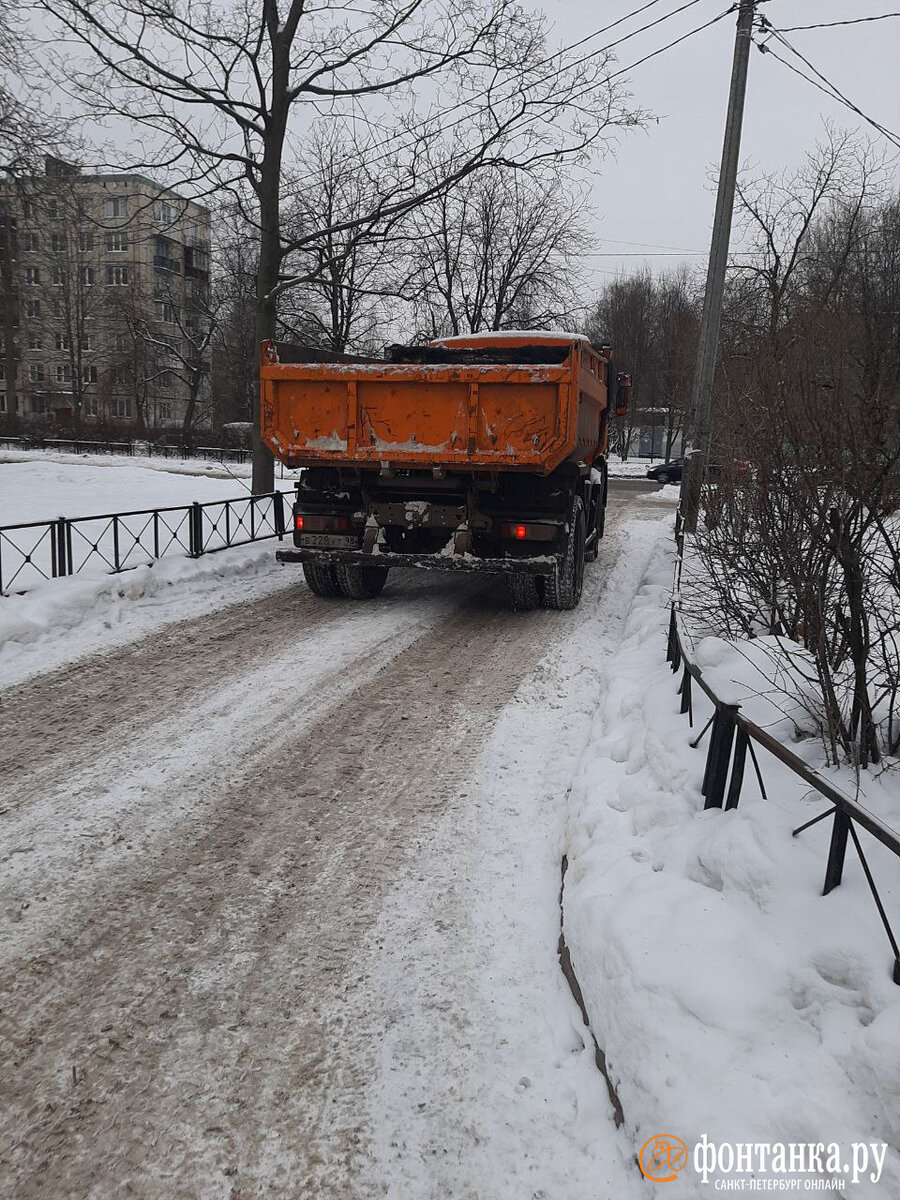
(104, 301)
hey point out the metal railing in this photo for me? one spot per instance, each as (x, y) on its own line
(129, 449)
(732, 738)
(40, 550)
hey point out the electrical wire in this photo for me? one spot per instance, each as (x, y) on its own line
(829, 88)
(464, 104)
(832, 24)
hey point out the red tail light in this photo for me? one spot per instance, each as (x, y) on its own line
(533, 532)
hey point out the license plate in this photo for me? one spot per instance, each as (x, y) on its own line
(329, 541)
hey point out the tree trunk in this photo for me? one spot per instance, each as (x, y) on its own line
(269, 247)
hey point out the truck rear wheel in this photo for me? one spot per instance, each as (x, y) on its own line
(321, 579)
(361, 583)
(562, 589)
(524, 592)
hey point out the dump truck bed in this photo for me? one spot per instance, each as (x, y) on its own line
(505, 402)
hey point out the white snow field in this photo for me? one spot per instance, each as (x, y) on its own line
(60, 619)
(281, 899)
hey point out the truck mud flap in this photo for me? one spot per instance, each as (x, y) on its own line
(543, 565)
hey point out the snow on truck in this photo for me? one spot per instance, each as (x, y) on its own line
(476, 453)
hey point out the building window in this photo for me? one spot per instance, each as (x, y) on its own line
(57, 242)
(53, 207)
(90, 405)
(28, 210)
(32, 242)
(56, 276)
(117, 275)
(32, 308)
(63, 373)
(114, 206)
(165, 213)
(2, 402)
(87, 275)
(166, 311)
(117, 241)
(32, 274)
(121, 406)
(36, 372)
(62, 341)
(86, 241)
(120, 341)
(89, 373)
(88, 341)
(35, 341)
(119, 376)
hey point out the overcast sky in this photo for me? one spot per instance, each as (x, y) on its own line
(657, 189)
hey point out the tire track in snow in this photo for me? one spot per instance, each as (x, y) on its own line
(208, 987)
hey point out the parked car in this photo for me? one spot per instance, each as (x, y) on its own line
(667, 472)
(671, 472)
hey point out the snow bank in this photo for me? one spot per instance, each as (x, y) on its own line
(63, 620)
(731, 998)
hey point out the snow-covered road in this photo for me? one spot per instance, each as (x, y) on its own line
(242, 857)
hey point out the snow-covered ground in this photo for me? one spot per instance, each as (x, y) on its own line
(284, 887)
(97, 609)
(38, 486)
(731, 998)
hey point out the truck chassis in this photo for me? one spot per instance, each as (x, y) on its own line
(350, 526)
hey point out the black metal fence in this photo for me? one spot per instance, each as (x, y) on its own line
(129, 449)
(39, 550)
(732, 739)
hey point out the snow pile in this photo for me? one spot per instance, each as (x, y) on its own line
(64, 619)
(730, 997)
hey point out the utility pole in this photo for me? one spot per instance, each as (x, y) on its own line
(711, 320)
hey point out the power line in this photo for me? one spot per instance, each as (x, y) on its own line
(649, 245)
(829, 89)
(832, 24)
(464, 104)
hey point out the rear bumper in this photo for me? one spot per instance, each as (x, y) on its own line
(544, 564)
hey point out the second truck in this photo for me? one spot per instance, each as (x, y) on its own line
(485, 452)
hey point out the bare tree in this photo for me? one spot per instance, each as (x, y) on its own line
(803, 547)
(499, 251)
(28, 130)
(353, 271)
(217, 89)
(625, 318)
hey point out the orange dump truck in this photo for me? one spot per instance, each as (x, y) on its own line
(484, 452)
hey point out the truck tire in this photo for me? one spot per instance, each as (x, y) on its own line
(562, 589)
(524, 592)
(360, 583)
(321, 579)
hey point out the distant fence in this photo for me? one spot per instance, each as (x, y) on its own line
(39, 550)
(129, 449)
(732, 738)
